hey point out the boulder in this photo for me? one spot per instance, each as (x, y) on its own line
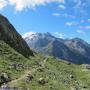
(4, 78)
(71, 76)
(29, 77)
(16, 66)
(41, 81)
(88, 67)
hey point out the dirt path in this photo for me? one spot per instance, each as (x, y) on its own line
(23, 76)
(29, 72)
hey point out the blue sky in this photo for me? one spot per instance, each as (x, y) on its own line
(62, 18)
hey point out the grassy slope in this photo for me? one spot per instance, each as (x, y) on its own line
(7, 57)
(56, 74)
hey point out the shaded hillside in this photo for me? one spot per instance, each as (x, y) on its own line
(12, 37)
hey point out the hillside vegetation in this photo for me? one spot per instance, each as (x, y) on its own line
(41, 73)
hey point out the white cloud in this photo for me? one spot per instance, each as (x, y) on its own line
(84, 27)
(56, 14)
(68, 24)
(80, 32)
(3, 3)
(87, 27)
(88, 20)
(71, 23)
(23, 4)
(62, 7)
(83, 21)
(78, 3)
(64, 15)
(81, 27)
(80, 6)
(68, 15)
(59, 35)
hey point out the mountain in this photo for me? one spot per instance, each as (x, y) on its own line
(38, 72)
(74, 50)
(9, 35)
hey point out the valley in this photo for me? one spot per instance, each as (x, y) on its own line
(32, 70)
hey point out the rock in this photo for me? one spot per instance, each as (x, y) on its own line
(16, 66)
(29, 77)
(4, 87)
(4, 78)
(85, 87)
(13, 66)
(20, 66)
(40, 69)
(41, 81)
(88, 67)
(71, 76)
(69, 63)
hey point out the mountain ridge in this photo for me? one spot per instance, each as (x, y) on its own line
(74, 50)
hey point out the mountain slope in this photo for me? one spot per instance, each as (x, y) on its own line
(12, 37)
(73, 50)
(79, 45)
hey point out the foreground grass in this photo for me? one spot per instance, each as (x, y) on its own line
(55, 74)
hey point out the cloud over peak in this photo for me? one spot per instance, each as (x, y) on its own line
(28, 34)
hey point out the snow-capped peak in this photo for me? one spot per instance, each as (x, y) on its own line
(29, 35)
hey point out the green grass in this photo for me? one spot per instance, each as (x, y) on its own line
(56, 74)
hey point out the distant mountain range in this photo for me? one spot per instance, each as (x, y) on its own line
(74, 50)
